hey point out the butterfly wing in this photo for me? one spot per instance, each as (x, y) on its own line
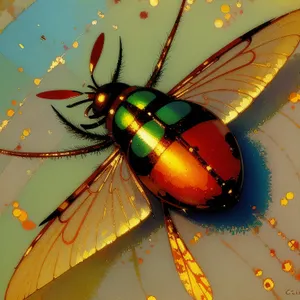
(229, 81)
(105, 209)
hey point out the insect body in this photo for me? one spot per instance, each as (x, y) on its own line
(180, 151)
(176, 144)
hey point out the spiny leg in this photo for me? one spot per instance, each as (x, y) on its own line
(119, 64)
(77, 131)
(157, 72)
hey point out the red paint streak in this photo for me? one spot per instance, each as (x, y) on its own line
(117, 1)
(143, 15)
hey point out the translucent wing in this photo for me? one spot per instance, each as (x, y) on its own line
(229, 81)
(108, 204)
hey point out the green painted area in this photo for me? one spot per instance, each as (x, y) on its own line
(147, 138)
(123, 118)
(173, 112)
(141, 99)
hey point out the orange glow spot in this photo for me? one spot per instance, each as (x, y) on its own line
(14, 102)
(254, 207)
(294, 97)
(272, 221)
(272, 252)
(20, 70)
(16, 212)
(294, 245)
(75, 44)
(28, 225)
(147, 251)
(227, 16)
(289, 196)
(258, 272)
(225, 8)
(140, 261)
(23, 216)
(269, 284)
(10, 112)
(297, 276)
(15, 204)
(287, 266)
(283, 202)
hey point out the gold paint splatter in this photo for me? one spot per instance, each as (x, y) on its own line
(219, 23)
(151, 298)
(294, 97)
(75, 44)
(10, 112)
(269, 284)
(21, 46)
(23, 216)
(287, 266)
(49, 132)
(58, 60)
(294, 245)
(272, 222)
(94, 22)
(115, 27)
(37, 81)
(289, 196)
(187, 7)
(283, 202)
(238, 4)
(258, 272)
(225, 8)
(20, 70)
(22, 137)
(26, 132)
(100, 14)
(190, 1)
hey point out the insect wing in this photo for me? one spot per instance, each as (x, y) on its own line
(106, 209)
(229, 81)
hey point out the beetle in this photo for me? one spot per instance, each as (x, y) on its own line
(176, 145)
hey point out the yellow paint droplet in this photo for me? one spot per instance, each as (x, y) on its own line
(154, 2)
(10, 112)
(219, 23)
(75, 44)
(225, 8)
(37, 81)
(17, 212)
(100, 14)
(269, 284)
(287, 266)
(284, 202)
(26, 132)
(20, 70)
(290, 196)
(49, 132)
(151, 298)
(22, 137)
(21, 46)
(209, 1)
(23, 216)
(28, 172)
(190, 2)
(94, 22)
(258, 272)
(15, 204)
(115, 27)
(238, 4)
